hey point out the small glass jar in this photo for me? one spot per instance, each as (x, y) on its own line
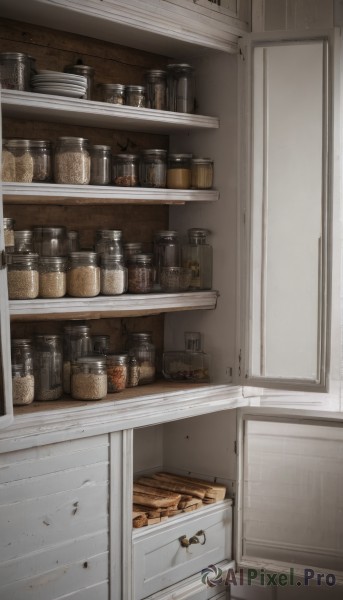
(100, 344)
(190, 365)
(73, 242)
(167, 251)
(50, 241)
(109, 241)
(202, 173)
(15, 71)
(42, 162)
(133, 372)
(23, 159)
(197, 256)
(135, 96)
(130, 249)
(52, 276)
(7, 164)
(140, 274)
(175, 279)
(179, 174)
(22, 353)
(125, 170)
(113, 93)
(156, 89)
(181, 88)
(153, 168)
(22, 276)
(117, 372)
(47, 363)
(77, 342)
(72, 163)
(87, 72)
(141, 347)
(83, 275)
(89, 378)
(9, 234)
(100, 165)
(113, 278)
(23, 241)
(22, 371)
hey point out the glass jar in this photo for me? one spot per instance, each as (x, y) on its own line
(50, 241)
(7, 164)
(197, 256)
(117, 372)
(73, 243)
(42, 163)
(175, 279)
(52, 276)
(77, 342)
(87, 72)
(167, 251)
(181, 88)
(89, 378)
(9, 234)
(23, 241)
(202, 173)
(100, 165)
(140, 274)
(135, 95)
(47, 363)
(100, 344)
(15, 71)
(22, 371)
(191, 364)
(141, 347)
(22, 276)
(133, 372)
(83, 275)
(153, 168)
(125, 169)
(72, 163)
(156, 89)
(23, 159)
(130, 249)
(113, 277)
(109, 241)
(179, 174)
(113, 93)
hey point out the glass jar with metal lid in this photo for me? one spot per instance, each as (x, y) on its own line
(156, 89)
(100, 164)
(23, 159)
(72, 163)
(50, 241)
(47, 363)
(83, 275)
(77, 342)
(22, 276)
(125, 169)
(140, 274)
(179, 172)
(117, 372)
(87, 72)
(197, 256)
(89, 378)
(141, 346)
(202, 173)
(22, 371)
(109, 241)
(42, 162)
(153, 168)
(113, 93)
(52, 276)
(181, 88)
(113, 277)
(23, 240)
(100, 344)
(135, 95)
(167, 251)
(130, 249)
(7, 163)
(15, 71)
(8, 224)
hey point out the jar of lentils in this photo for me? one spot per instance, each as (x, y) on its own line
(42, 163)
(47, 362)
(135, 96)
(9, 234)
(117, 372)
(113, 278)
(141, 347)
(113, 93)
(100, 164)
(52, 276)
(140, 274)
(83, 275)
(22, 276)
(153, 168)
(125, 170)
(89, 378)
(72, 163)
(21, 150)
(15, 70)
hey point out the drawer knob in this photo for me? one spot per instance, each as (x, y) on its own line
(185, 542)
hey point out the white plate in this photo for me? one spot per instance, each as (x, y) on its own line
(60, 92)
(64, 77)
(76, 88)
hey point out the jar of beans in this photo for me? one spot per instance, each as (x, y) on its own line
(117, 372)
(125, 170)
(140, 274)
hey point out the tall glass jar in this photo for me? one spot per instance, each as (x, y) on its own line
(87, 72)
(48, 367)
(140, 274)
(42, 161)
(72, 163)
(135, 95)
(22, 276)
(23, 159)
(73, 242)
(89, 378)
(22, 371)
(15, 71)
(109, 241)
(52, 276)
(125, 170)
(181, 88)
(202, 173)
(153, 168)
(140, 346)
(100, 164)
(198, 257)
(83, 275)
(117, 372)
(100, 344)
(167, 251)
(9, 234)
(23, 240)
(113, 278)
(133, 372)
(156, 89)
(77, 342)
(113, 93)
(130, 249)
(50, 241)
(179, 172)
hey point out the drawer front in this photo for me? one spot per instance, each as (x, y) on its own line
(160, 561)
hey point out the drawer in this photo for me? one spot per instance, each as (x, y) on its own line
(160, 561)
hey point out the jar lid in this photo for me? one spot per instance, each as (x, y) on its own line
(21, 342)
(112, 234)
(142, 258)
(76, 329)
(47, 337)
(23, 233)
(83, 254)
(154, 151)
(100, 147)
(18, 143)
(79, 69)
(180, 66)
(132, 245)
(55, 230)
(117, 359)
(135, 88)
(22, 258)
(53, 260)
(116, 87)
(111, 258)
(13, 56)
(125, 156)
(197, 232)
(8, 222)
(166, 233)
(201, 161)
(156, 73)
(95, 360)
(40, 143)
(180, 156)
(140, 335)
(72, 140)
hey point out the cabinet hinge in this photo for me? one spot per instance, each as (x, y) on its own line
(3, 261)
(235, 447)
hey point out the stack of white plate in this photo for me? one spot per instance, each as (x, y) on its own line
(59, 84)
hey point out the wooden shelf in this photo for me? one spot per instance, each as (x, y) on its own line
(111, 306)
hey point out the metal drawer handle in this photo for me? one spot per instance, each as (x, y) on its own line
(185, 542)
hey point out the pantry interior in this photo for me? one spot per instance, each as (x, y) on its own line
(90, 453)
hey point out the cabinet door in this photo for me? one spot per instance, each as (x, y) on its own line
(286, 211)
(289, 504)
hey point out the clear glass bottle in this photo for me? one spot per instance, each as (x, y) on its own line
(167, 251)
(153, 168)
(47, 362)
(23, 387)
(87, 72)
(77, 342)
(15, 71)
(125, 169)
(113, 277)
(202, 173)
(140, 346)
(42, 160)
(113, 93)
(130, 249)
(135, 95)
(179, 172)
(72, 163)
(140, 274)
(8, 224)
(191, 364)
(117, 372)
(73, 242)
(100, 344)
(89, 378)
(23, 241)
(50, 241)
(109, 241)
(23, 159)
(100, 164)
(181, 88)
(22, 276)
(197, 256)
(52, 276)
(156, 89)
(83, 275)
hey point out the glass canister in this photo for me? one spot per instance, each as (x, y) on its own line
(113, 93)
(15, 70)
(197, 256)
(130, 249)
(42, 161)
(72, 163)
(73, 242)
(109, 241)
(23, 241)
(52, 276)
(135, 95)
(156, 89)
(113, 277)
(167, 251)
(7, 163)
(191, 364)
(181, 88)
(47, 363)
(202, 173)
(22, 371)
(8, 224)
(100, 344)
(140, 274)
(100, 164)
(125, 170)
(140, 346)
(89, 378)
(117, 372)
(22, 276)
(23, 159)
(153, 168)
(87, 72)
(83, 275)
(77, 342)
(50, 241)
(179, 172)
